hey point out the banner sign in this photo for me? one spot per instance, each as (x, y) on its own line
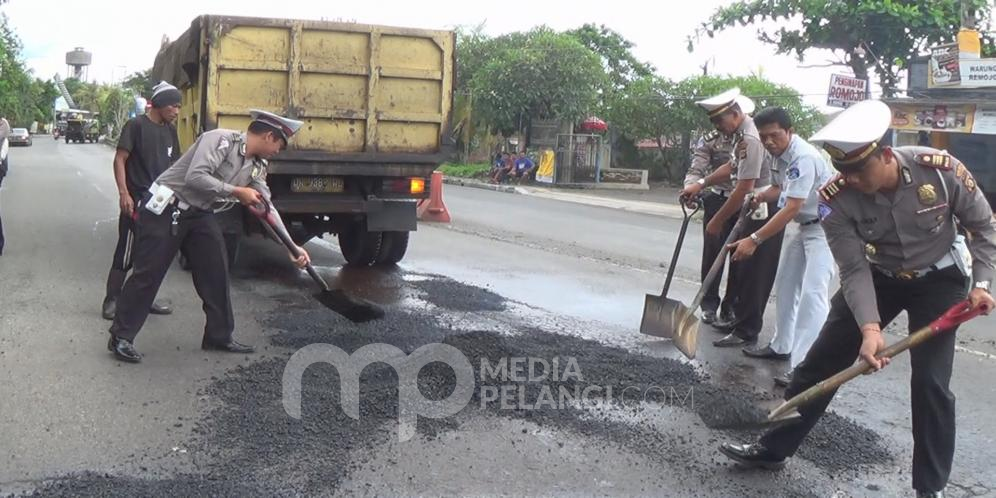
(846, 90)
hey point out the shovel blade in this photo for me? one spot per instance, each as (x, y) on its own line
(670, 319)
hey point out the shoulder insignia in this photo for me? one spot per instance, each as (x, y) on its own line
(939, 161)
(832, 188)
(709, 137)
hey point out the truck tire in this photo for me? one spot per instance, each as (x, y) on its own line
(300, 235)
(393, 247)
(360, 247)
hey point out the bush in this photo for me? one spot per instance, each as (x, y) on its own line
(476, 170)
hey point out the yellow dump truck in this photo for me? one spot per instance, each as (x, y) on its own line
(375, 102)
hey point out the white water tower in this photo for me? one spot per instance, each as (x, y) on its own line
(77, 63)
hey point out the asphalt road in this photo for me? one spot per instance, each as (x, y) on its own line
(512, 277)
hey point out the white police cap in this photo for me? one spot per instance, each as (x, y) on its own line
(286, 126)
(854, 133)
(746, 104)
(720, 103)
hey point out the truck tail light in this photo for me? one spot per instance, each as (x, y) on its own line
(414, 185)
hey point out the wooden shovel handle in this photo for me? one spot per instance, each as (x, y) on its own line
(956, 315)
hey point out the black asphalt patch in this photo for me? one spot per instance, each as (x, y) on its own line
(250, 439)
(456, 296)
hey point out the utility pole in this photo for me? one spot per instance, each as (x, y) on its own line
(467, 135)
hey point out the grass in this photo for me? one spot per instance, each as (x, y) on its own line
(474, 170)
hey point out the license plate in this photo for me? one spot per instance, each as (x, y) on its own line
(316, 184)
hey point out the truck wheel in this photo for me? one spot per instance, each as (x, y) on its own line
(359, 246)
(392, 248)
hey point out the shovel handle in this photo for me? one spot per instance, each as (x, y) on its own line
(278, 231)
(697, 201)
(956, 315)
(717, 265)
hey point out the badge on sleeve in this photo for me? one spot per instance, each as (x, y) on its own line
(793, 173)
(823, 210)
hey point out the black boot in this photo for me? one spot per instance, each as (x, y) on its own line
(115, 280)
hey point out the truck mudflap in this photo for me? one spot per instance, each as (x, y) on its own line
(392, 216)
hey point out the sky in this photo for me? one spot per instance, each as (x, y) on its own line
(124, 39)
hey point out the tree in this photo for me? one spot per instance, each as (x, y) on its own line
(140, 82)
(877, 36)
(665, 111)
(618, 61)
(23, 98)
(536, 74)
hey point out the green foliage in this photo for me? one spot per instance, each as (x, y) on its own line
(476, 170)
(659, 109)
(23, 98)
(889, 32)
(140, 82)
(538, 74)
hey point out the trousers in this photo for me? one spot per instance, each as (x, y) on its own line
(802, 289)
(156, 245)
(933, 404)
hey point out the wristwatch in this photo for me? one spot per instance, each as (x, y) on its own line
(755, 238)
(982, 284)
(701, 181)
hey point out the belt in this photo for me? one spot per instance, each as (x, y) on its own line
(720, 192)
(946, 262)
(810, 222)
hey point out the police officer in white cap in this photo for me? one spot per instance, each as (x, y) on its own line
(221, 168)
(747, 168)
(890, 220)
(713, 151)
(802, 285)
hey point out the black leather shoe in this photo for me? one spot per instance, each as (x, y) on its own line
(930, 494)
(123, 349)
(765, 353)
(784, 379)
(160, 309)
(724, 323)
(731, 340)
(109, 308)
(231, 347)
(752, 456)
(708, 317)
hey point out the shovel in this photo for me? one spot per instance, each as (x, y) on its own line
(356, 310)
(658, 310)
(678, 322)
(956, 315)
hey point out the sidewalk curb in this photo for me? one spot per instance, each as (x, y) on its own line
(574, 195)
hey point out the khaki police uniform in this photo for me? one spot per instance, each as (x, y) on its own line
(897, 251)
(712, 151)
(754, 278)
(203, 181)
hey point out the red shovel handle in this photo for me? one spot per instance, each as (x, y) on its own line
(956, 315)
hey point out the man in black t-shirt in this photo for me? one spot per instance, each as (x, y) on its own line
(147, 146)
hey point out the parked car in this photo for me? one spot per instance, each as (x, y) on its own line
(20, 136)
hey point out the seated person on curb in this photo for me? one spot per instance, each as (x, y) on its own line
(502, 169)
(523, 167)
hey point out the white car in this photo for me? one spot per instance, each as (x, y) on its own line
(19, 136)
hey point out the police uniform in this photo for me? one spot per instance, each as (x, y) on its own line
(755, 278)
(711, 152)
(897, 251)
(802, 285)
(203, 181)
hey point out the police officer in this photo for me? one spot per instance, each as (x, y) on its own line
(222, 167)
(890, 221)
(147, 146)
(711, 152)
(802, 284)
(746, 168)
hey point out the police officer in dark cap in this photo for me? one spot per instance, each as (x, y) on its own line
(891, 218)
(147, 146)
(222, 168)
